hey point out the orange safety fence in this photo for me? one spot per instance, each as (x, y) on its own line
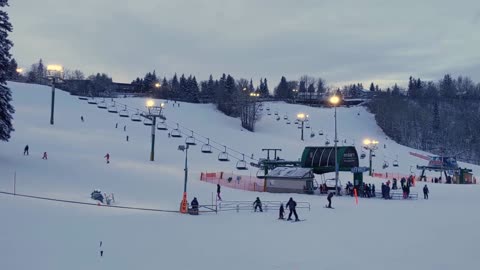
(236, 181)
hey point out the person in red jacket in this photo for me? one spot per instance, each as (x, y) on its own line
(107, 156)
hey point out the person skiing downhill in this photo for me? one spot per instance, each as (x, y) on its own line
(25, 150)
(281, 212)
(218, 193)
(45, 156)
(257, 204)
(291, 204)
(81, 118)
(329, 198)
(107, 156)
(425, 192)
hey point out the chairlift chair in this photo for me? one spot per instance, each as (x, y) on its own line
(312, 134)
(288, 122)
(285, 117)
(363, 155)
(161, 125)
(269, 113)
(147, 121)
(385, 164)
(190, 140)
(124, 113)
(276, 113)
(207, 148)
(373, 153)
(176, 132)
(320, 132)
(242, 164)
(278, 118)
(307, 125)
(268, 108)
(102, 105)
(223, 156)
(136, 117)
(112, 108)
(92, 101)
(327, 142)
(296, 122)
(395, 162)
(83, 98)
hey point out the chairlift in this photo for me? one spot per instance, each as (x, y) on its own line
(373, 153)
(288, 122)
(83, 98)
(385, 164)
(278, 118)
(242, 164)
(320, 133)
(285, 117)
(312, 134)
(363, 155)
(269, 113)
(147, 121)
(299, 126)
(207, 148)
(268, 108)
(223, 156)
(395, 162)
(327, 142)
(261, 173)
(112, 108)
(307, 125)
(176, 132)
(296, 122)
(276, 112)
(92, 101)
(136, 117)
(102, 105)
(161, 125)
(124, 113)
(190, 140)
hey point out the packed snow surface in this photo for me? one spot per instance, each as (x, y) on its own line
(439, 233)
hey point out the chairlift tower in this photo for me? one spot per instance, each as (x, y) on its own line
(55, 74)
(153, 113)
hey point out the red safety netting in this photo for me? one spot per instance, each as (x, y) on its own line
(236, 181)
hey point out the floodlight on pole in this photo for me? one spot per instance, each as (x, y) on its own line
(334, 100)
(19, 70)
(157, 85)
(371, 145)
(184, 203)
(301, 117)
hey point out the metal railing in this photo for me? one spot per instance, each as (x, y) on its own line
(249, 205)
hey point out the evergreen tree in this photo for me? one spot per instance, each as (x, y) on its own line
(282, 91)
(372, 87)
(41, 70)
(175, 87)
(447, 87)
(321, 86)
(11, 72)
(264, 91)
(6, 108)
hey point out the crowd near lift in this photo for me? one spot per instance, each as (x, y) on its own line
(147, 121)
(102, 105)
(242, 164)
(207, 148)
(190, 140)
(223, 156)
(136, 117)
(92, 101)
(161, 125)
(124, 113)
(176, 132)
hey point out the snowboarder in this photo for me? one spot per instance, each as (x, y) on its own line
(281, 212)
(45, 156)
(127, 138)
(25, 150)
(218, 193)
(257, 204)
(125, 128)
(425, 192)
(101, 253)
(81, 118)
(107, 156)
(291, 204)
(329, 198)
(116, 125)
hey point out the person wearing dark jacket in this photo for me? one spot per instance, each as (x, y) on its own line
(329, 198)
(425, 192)
(25, 150)
(218, 193)
(257, 204)
(281, 212)
(291, 204)
(194, 203)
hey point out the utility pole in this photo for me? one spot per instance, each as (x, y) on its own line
(54, 73)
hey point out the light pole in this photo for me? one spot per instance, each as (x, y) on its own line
(54, 73)
(184, 203)
(295, 91)
(153, 113)
(334, 100)
(301, 117)
(371, 145)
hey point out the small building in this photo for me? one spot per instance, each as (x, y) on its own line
(290, 180)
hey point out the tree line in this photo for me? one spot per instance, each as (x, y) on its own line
(441, 117)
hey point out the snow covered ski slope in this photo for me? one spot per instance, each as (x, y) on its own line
(439, 233)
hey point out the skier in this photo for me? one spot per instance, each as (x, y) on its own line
(194, 204)
(169, 135)
(291, 204)
(116, 125)
(127, 138)
(329, 198)
(257, 204)
(281, 212)
(218, 193)
(373, 190)
(44, 155)
(125, 128)
(107, 156)
(425, 192)
(81, 118)
(25, 150)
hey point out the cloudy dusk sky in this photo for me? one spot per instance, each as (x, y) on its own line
(340, 41)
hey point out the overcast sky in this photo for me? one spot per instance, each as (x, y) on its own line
(340, 41)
